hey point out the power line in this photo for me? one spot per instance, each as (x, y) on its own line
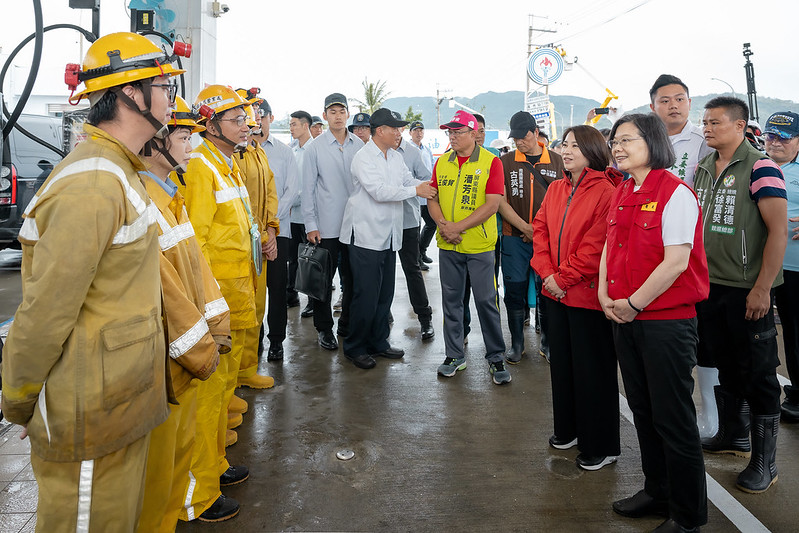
(611, 19)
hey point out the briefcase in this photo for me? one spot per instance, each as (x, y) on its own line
(313, 271)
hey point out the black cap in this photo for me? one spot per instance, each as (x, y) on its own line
(386, 117)
(316, 120)
(361, 119)
(520, 124)
(336, 99)
(266, 107)
(416, 124)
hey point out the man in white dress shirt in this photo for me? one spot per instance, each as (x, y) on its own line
(372, 231)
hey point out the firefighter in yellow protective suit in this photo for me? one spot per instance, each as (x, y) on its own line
(219, 210)
(84, 364)
(198, 328)
(260, 182)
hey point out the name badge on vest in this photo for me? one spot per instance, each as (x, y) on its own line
(651, 206)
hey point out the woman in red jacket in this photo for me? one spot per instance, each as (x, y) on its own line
(568, 236)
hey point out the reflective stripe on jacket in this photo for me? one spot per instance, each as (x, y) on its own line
(84, 363)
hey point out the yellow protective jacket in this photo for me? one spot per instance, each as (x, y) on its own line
(84, 365)
(461, 190)
(260, 182)
(217, 203)
(197, 315)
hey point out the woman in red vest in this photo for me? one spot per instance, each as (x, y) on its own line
(568, 235)
(652, 273)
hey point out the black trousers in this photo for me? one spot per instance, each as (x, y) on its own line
(297, 238)
(787, 296)
(276, 283)
(745, 351)
(428, 230)
(585, 385)
(409, 259)
(372, 293)
(656, 359)
(323, 310)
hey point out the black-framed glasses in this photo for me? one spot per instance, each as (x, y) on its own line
(239, 120)
(172, 89)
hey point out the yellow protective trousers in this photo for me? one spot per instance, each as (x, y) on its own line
(102, 494)
(202, 489)
(250, 355)
(168, 463)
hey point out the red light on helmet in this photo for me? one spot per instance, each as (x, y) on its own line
(206, 112)
(182, 49)
(72, 76)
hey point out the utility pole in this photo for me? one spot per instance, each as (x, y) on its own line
(750, 84)
(439, 99)
(531, 21)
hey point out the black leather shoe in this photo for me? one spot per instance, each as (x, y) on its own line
(423, 267)
(292, 301)
(562, 444)
(275, 352)
(223, 508)
(234, 475)
(327, 340)
(425, 258)
(307, 310)
(391, 353)
(641, 504)
(362, 361)
(670, 526)
(427, 330)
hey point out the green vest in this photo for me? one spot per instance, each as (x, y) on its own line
(460, 192)
(734, 231)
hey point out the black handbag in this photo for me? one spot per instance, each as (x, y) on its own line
(313, 272)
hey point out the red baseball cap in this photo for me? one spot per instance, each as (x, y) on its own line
(461, 119)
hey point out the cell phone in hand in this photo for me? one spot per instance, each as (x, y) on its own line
(601, 110)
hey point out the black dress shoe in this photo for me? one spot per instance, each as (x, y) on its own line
(364, 361)
(234, 475)
(390, 353)
(641, 504)
(327, 340)
(425, 258)
(423, 267)
(307, 310)
(222, 509)
(427, 330)
(670, 526)
(292, 301)
(275, 352)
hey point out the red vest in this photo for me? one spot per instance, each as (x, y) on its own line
(635, 249)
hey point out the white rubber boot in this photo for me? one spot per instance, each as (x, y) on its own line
(707, 418)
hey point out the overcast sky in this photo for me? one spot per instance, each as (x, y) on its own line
(299, 51)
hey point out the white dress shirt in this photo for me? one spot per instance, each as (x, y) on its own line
(373, 214)
(284, 166)
(413, 158)
(689, 147)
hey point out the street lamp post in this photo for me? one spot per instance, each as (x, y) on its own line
(727, 84)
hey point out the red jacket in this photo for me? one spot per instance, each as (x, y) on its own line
(635, 248)
(569, 233)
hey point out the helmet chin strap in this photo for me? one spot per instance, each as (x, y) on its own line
(152, 144)
(224, 139)
(161, 129)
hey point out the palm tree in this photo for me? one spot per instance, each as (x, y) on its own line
(374, 96)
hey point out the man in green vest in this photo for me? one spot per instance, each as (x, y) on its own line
(470, 184)
(743, 199)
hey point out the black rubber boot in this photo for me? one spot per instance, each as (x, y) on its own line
(516, 326)
(762, 470)
(733, 434)
(790, 407)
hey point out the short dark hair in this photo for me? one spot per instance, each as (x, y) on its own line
(662, 81)
(480, 118)
(105, 110)
(735, 108)
(592, 145)
(654, 134)
(303, 115)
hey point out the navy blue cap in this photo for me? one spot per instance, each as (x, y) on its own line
(361, 119)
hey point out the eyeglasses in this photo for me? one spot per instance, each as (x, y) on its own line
(456, 133)
(172, 89)
(239, 120)
(774, 138)
(623, 142)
